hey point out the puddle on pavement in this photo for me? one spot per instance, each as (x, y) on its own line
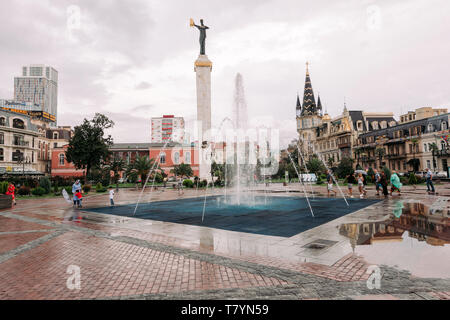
(416, 237)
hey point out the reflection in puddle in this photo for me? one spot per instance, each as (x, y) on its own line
(416, 237)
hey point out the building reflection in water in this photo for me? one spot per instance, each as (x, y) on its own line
(418, 220)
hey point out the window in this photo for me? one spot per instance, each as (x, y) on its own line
(19, 124)
(375, 125)
(176, 158)
(2, 156)
(425, 147)
(61, 159)
(55, 135)
(444, 125)
(55, 145)
(16, 156)
(430, 127)
(2, 138)
(162, 158)
(428, 164)
(2, 121)
(383, 124)
(187, 157)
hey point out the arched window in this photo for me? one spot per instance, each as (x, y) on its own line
(187, 157)
(444, 125)
(176, 158)
(383, 124)
(61, 159)
(375, 125)
(55, 135)
(162, 158)
(19, 124)
(430, 127)
(2, 121)
(2, 155)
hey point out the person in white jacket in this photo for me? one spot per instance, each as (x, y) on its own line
(111, 196)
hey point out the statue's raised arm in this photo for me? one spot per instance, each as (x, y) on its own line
(202, 28)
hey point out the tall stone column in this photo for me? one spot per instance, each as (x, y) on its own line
(203, 67)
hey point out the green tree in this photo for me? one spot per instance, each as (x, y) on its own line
(141, 167)
(344, 168)
(116, 165)
(218, 170)
(182, 170)
(414, 162)
(88, 147)
(314, 165)
(434, 149)
(380, 152)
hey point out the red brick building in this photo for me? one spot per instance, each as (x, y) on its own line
(60, 166)
(169, 155)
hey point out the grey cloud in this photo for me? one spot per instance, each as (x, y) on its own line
(143, 86)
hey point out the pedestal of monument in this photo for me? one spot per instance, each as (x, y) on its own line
(203, 67)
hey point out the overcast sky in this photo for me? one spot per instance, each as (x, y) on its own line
(134, 59)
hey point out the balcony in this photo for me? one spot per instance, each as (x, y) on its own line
(21, 143)
(344, 145)
(442, 153)
(395, 156)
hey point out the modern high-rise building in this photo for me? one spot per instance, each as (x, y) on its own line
(38, 85)
(167, 128)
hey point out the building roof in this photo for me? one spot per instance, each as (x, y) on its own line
(309, 102)
(134, 146)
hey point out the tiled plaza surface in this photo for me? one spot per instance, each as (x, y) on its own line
(405, 240)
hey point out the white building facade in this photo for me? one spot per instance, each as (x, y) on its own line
(167, 128)
(38, 85)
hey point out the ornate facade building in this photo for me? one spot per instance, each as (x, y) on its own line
(332, 138)
(409, 146)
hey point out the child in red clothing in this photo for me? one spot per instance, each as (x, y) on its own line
(79, 196)
(11, 191)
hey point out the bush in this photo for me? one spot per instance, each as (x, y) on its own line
(24, 190)
(203, 183)
(68, 189)
(188, 183)
(38, 191)
(319, 180)
(413, 179)
(99, 187)
(4, 187)
(87, 188)
(45, 183)
(159, 178)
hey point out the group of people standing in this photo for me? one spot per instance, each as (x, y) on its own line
(360, 179)
(381, 181)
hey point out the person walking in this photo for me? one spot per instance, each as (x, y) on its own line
(111, 196)
(429, 179)
(384, 183)
(377, 179)
(330, 183)
(362, 192)
(350, 181)
(395, 182)
(11, 191)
